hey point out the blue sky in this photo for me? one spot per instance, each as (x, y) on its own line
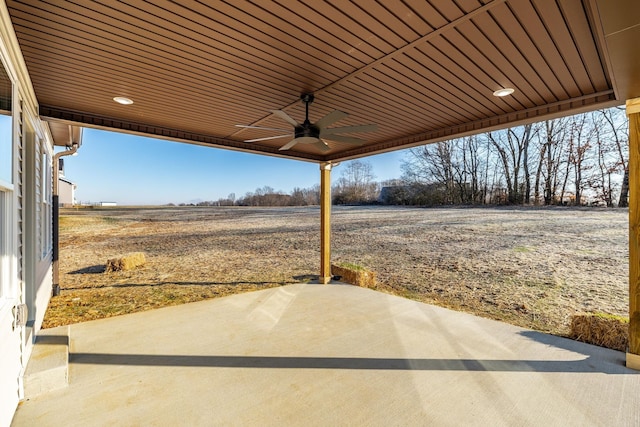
(134, 170)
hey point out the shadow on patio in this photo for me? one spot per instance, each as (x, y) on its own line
(283, 362)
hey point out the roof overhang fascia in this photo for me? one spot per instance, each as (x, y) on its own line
(76, 118)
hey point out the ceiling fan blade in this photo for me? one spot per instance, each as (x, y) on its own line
(269, 137)
(322, 146)
(349, 129)
(342, 138)
(289, 145)
(331, 118)
(261, 128)
(284, 116)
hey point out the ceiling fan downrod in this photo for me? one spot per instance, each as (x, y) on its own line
(307, 98)
(307, 132)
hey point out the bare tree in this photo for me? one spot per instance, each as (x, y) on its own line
(297, 197)
(229, 201)
(305, 196)
(472, 188)
(356, 184)
(312, 195)
(431, 164)
(551, 155)
(512, 147)
(544, 136)
(534, 163)
(581, 137)
(602, 182)
(617, 125)
(450, 170)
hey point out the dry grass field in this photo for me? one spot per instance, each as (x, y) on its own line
(526, 266)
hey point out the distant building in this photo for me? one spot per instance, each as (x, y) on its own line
(66, 188)
(106, 204)
(66, 193)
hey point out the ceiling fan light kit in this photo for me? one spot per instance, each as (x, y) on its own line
(314, 133)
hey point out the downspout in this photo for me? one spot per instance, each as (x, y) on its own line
(56, 219)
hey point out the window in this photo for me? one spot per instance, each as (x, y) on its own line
(4, 250)
(7, 266)
(6, 140)
(6, 149)
(42, 195)
(44, 202)
(7, 285)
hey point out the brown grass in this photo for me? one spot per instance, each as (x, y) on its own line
(126, 262)
(530, 267)
(600, 329)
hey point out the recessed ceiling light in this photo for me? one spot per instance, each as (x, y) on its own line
(123, 100)
(503, 92)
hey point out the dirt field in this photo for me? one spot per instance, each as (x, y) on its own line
(526, 266)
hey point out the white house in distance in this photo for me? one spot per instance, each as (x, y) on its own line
(66, 192)
(66, 188)
(230, 74)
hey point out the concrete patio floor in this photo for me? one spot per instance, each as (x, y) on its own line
(336, 354)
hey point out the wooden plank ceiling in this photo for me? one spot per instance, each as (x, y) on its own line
(420, 70)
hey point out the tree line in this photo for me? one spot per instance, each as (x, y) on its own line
(267, 196)
(576, 160)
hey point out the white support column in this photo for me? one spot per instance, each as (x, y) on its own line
(325, 222)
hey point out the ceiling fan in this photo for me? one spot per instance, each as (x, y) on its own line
(314, 133)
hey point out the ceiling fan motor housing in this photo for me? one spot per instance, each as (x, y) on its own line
(307, 132)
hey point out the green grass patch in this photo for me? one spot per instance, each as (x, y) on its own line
(523, 249)
(608, 316)
(352, 266)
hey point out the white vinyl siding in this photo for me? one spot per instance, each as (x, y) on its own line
(19, 189)
(42, 189)
(26, 153)
(37, 188)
